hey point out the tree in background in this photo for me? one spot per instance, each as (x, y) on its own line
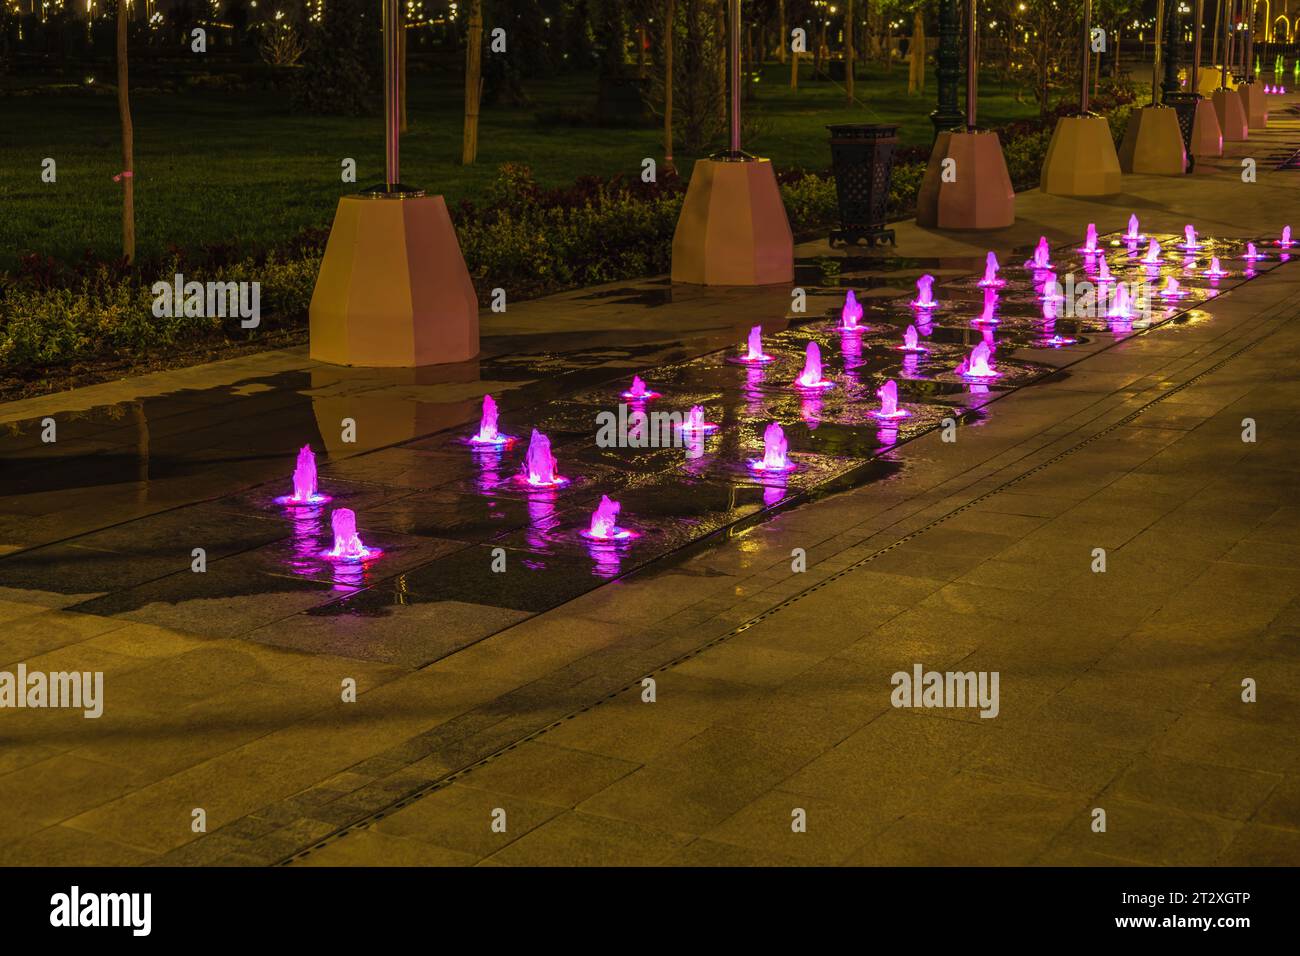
(340, 70)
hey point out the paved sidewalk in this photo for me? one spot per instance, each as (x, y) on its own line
(1119, 691)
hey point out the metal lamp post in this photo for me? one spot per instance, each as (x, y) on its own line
(393, 290)
(1085, 62)
(947, 115)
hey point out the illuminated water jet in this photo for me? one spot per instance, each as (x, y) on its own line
(1042, 260)
(1090, 241)
(1103, 273)
(1189, 239)
(604, 522)
(1253, 254)
(639, 392)
(990, 303)
(911, 340)
(924, 297)
(695, 423)
(1216, 271)
(487, 434)
(1172, 290)
(1285, 242)
(1121, 306)
(991, 279)
(1152, 258)
(304, 481)
(811, 377)
(540, 466)
(1133, 235)
(851, 314)
(888, 394)
(978, 364)
(755, 347)
(775, 448)
(347, 543)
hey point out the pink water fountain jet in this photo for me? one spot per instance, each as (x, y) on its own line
(304, 481)
(888, 395)
(1042, 261)
(1190, 242)
(924, 294)
(487, 435)
(851, 313)
(811, 376)
(978, 364)
(1103, 272)
(912, 340)
(540, 466)
(1090, 240)
(639, 392)
(775, 452)
(1253, 254)
(1121, 304)
(991, 279)
(754, 353)
(347, 543)
(987, 317)
(1172, 290)
(1285, 242)
(1216, 271)
(695, 423)
(1152, 258)
(1133, 235)
(604, 522)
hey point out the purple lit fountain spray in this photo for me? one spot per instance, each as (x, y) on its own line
(1172, 290)
(695, 423)
(1103, 272)
(754, 353)
(1285, 242)
(1216, 271)
(912, 341)
(1090, 240)
(487, 435)
(1152, 258)
(1042, 261)
(1133, 236)
(851, 314)
(775, 448)
(1252, 254)
(304, 481)
(990, 304)
(604, 523)
(639, 392)
(347, 543)
(924, 296)
(991, 279)
(1189, 242)
(539, 469)
(978, 364)
(1121, 305)
(811, 376)
(888, 395)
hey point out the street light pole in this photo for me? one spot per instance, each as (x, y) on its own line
(947, 115)
(392, 95)
(1085, 61)
(734, 54)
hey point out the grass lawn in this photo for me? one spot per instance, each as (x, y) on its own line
(217, 168)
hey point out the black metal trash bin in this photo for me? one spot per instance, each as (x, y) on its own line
(862, 157)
